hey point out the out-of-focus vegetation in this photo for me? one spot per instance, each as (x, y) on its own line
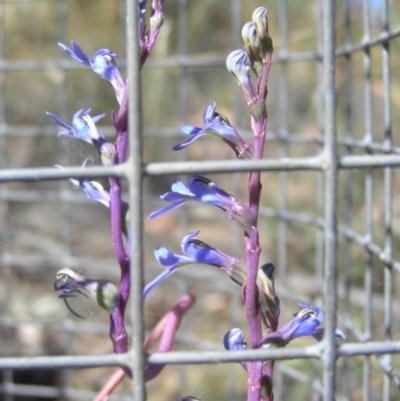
(47, 224)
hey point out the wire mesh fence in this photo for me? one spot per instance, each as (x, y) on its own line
(329, 216)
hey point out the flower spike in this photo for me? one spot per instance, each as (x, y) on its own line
(196, 252)
(201, 189)
(103, 64)
(217, 125)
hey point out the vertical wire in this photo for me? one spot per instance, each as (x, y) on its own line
(134, 173)
(387, 121)
(319, 253)
(283, 176)
(330, 200)
(319, 241)
(368, 138)
(348, 192)
(5, 209)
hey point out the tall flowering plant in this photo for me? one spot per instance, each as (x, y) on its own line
(250, 68)
(70, 284)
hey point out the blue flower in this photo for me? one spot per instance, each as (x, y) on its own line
(103, 63)
(196, 252)
(217, 125)
(234, 341)
(83, 127)
(70, 285)
(201, 189)
(93, 189)
(305, 323)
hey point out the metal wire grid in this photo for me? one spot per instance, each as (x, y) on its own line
(327, 165)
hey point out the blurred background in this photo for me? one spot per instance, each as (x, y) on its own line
(46, 226)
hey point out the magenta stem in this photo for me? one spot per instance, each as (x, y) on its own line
(253, 250)
(117, 326)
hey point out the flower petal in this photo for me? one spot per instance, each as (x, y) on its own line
(160, 278)
(76, 53)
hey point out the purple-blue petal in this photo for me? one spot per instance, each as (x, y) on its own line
(168, 259)
(159, 212)
(234, 340)
(160, 278)
(203, 192)
(203, 254)
(58, 121)
(103, 63)
(98, 117)
(190, 130)
(209, 112)
(181, 188)
(306, 328)
(76, 53)
(187, 143)
(95, 194)
(319, 313)
(174, 197)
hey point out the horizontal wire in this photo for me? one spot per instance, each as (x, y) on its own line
(189, 61)
(191, 357)
(52, 392)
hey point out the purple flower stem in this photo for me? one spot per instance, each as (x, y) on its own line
(121, 126)
(253, 251)
(117, 326)
(150, 42)
(118, 335)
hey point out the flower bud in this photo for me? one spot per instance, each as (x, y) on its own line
(107, 153)
(266, 279)
(234, 340)
(238, 64)
(252, 46)
(157, 16)
(260, 19)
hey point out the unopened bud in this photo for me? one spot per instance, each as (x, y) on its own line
(267, 282)
(157, 15)
(260, 19)
(238, 64)
(107, 153)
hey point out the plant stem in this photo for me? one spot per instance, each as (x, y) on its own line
(117, 327)
(253, 249)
